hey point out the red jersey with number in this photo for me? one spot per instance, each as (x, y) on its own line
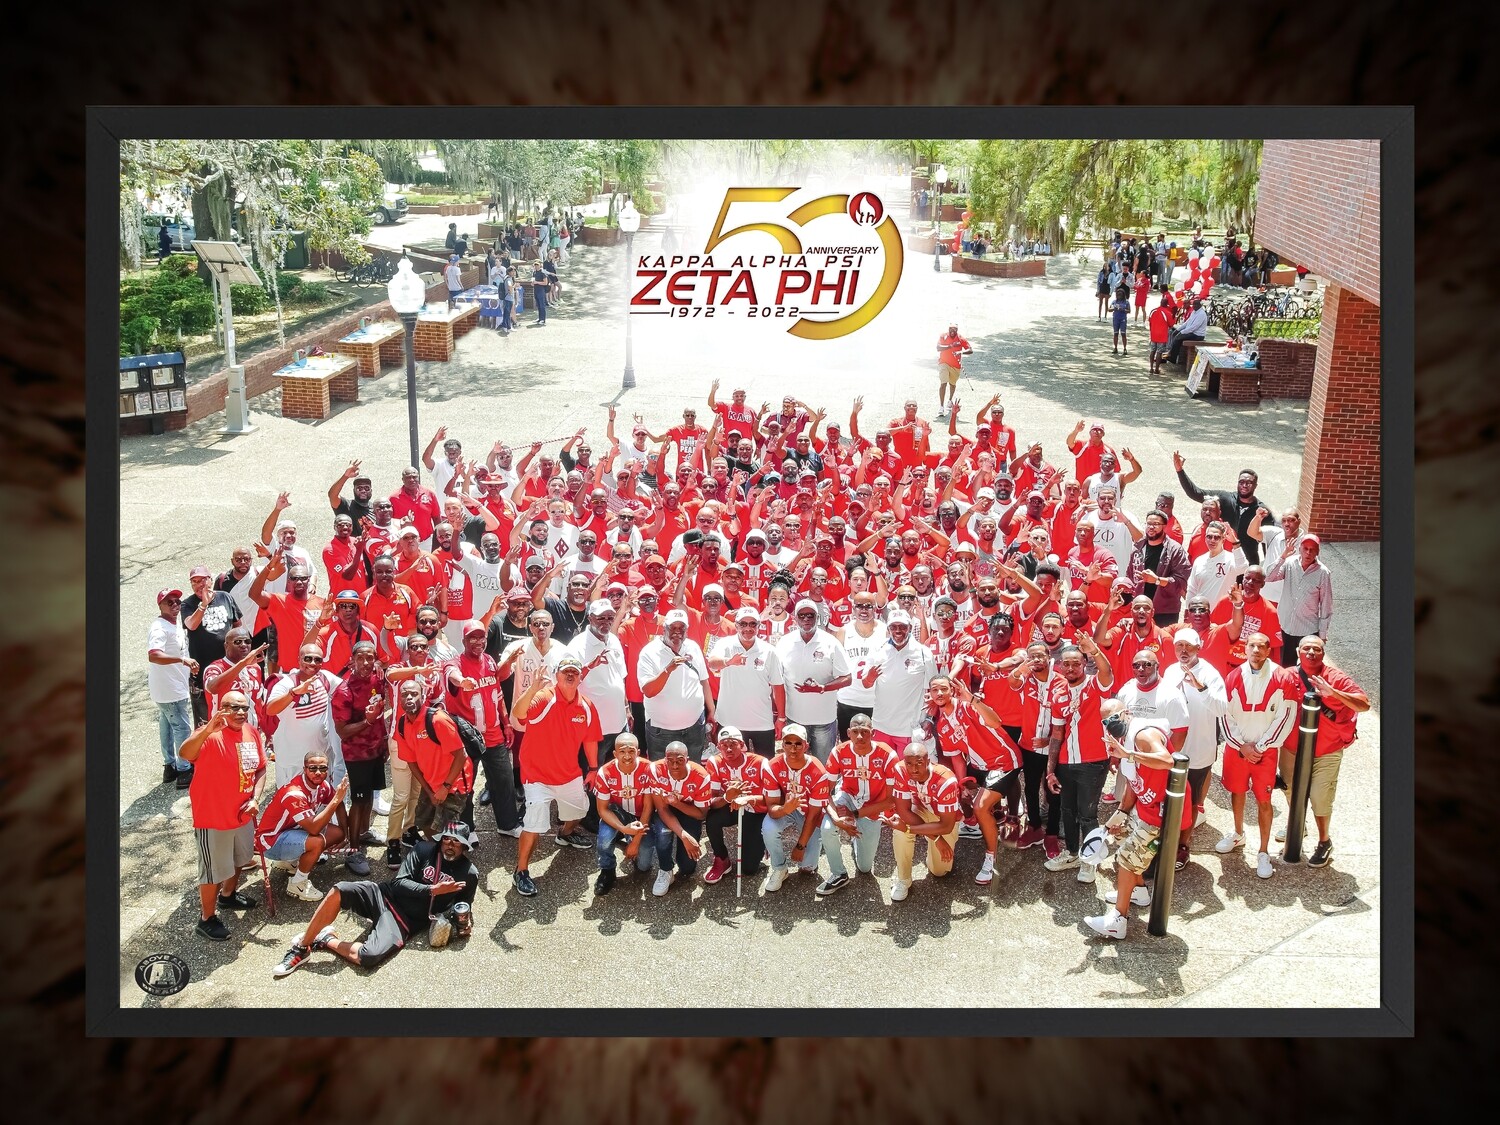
(336, 556)
(749, 776)
(811, 783)
(482, 706)
(947, 651)
(1075, 707)
(250, 681)
(963, 732)
(866, 777)
(627, 790)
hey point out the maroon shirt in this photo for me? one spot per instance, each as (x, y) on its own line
(350, 699)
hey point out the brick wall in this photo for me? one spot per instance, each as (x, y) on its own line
(1286, 368)
(206, 393)
(988, 267)
(1340, 492)
(1319, 206)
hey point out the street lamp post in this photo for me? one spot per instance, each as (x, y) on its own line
(940, 174)
(408, 295)
(630, 222)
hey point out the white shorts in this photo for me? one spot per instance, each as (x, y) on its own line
(572, 804)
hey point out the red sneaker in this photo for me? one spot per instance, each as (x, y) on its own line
(1052, 845)
(1010, 828)
(717, 870)
(1030, 838)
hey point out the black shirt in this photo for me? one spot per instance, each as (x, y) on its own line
(566, 624)
(1233, 511)
(356, 510)
(206, 643)
(410, 894)
(501, 636)
(1152, 561)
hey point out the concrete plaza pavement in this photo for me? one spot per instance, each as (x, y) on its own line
(1303, 938)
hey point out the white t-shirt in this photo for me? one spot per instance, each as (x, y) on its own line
(821, 660)
(679, 704)
(1204, 708)
(745, 689)
(1154, 703)
(442, 473)
(860, 651)
(604, 686)
(307, 725)
(1113, 536)
(1098, 481)
(904, 675)
(240, 592)
(1212, 575)
(528, 666)
(593, 567)
(483, 576)
(168, 682)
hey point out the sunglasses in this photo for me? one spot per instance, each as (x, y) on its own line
(792, 742)
(416, 648)
(315, 769)
(241, 708)
(171, 601)
(312, 660)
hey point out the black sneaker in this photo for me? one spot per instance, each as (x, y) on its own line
(294, 957)
(213, 929)
(409, 838)
(237, 901)
(1322, 854)
(168, 773)
(832, 884)
(524, 883)
(605, 881)
(574, 839)
(484, 795)
(370, 840)
(184, 778)
(393, 855)
(1280, 782)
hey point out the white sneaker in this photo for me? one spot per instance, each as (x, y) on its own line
(302, 888)
(473, 839)
(1229, 841)
(1111, 925)
(1141, 896)
(1263, 866)
(970, 831)
(1200, 818)
(1281, 834)
(775, 879)
(1064, 861)
(382, 806)
(899, 887)
(663, 881)
(986, 871)
(1086, 872)
(513, 833)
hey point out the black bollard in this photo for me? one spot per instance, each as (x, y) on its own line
(1307, 741)
(1166, 846)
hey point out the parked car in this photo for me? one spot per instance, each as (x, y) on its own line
(180, 230)
(392, 209)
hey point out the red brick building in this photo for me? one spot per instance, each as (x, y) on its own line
(1320, 208)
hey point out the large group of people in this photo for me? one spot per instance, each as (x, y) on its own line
(781, 628)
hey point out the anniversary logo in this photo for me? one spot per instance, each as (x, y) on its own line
(835, 265)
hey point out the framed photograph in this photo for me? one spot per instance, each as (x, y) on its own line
(894, 312)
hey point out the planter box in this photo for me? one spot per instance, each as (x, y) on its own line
(919, 183)
(1283, 275)
(921, 243)
(987, 267)
(1286, 368)
(489, 231)
(951, 213)
(599, 236)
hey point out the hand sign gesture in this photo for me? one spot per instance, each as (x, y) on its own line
(283, 501)
(1178, 461)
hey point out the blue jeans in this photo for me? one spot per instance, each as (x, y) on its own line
(821, 739)
(540, 298)
(604, 843)
(777, 851)
(667, 844)
(864, 845)
(173, 724)
(505, 310)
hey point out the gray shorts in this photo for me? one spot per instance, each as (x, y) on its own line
(223, 851)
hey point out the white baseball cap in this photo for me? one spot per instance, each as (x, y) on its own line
(1188, 635)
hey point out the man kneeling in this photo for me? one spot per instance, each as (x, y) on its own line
(434, 876)
(295, 827)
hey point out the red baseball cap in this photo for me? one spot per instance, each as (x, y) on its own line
(200, 571)
(163, 595)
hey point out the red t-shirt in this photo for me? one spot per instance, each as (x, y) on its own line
(687, 440)
(1337, 727)
(292, 620)
(338, 646)
(949, 348)
(1086, 459)
(402, 602)
(1160, 322)
(554, 733)
(1215, 645)
(336, 556)
(995, 690)
(292, 802)
(224, 777)
(424, 509)
(483, 706)
(1123, 642)
(964, 733)
(739, 422)
(432, 759)
(625, 789)
(1076, 709)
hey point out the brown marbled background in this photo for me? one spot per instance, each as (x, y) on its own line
(834, 52)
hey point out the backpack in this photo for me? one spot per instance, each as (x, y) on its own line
(468, 733)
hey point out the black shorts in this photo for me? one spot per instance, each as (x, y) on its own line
(388, 934)
(996, 781)
(366, 778)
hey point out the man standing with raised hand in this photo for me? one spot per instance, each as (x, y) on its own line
(951, 349)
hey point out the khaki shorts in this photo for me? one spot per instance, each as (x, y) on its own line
(948, 374)
(222, 852)
(1139, 848)
(1325, 782)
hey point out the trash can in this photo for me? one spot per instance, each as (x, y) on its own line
(296, 254)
